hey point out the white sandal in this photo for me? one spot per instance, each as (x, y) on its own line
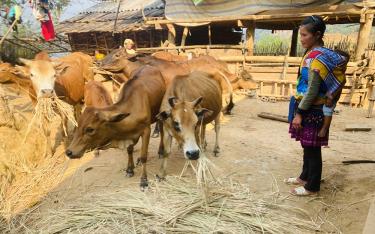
(293, 181)
(301, 191)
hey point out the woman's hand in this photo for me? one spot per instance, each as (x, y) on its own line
(297, 122)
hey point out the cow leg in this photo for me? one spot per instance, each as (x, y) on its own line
(130, 168)
(156, 132)
(202, 139)
(166, 141)
(145, 141)
(217, 130)
(161, 145)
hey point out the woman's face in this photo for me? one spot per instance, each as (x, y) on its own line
(308, 39)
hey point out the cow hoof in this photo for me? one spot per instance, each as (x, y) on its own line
(144, 184)
(160, 179)
(138, 162)
(155, 135)
(217, 152)
(129, 173)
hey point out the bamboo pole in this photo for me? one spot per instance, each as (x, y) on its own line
(364, 35)
(115, 24)
(184, 36)
(8, 31)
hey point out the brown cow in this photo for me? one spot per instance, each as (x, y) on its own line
(189, 103)
(120, 61)
(127, 120)
(96, 95)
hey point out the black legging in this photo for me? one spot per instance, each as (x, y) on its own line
(312, 168)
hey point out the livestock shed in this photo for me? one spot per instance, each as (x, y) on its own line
(226, 29)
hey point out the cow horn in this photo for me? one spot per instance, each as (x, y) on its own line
(172, 101)
(197, 101)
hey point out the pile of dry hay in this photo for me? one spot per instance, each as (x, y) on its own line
(26, 172)
(173, 206)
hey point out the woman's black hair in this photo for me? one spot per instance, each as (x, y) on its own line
(315, 24)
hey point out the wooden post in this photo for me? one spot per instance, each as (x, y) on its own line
(184, 36)
(293, 49)
(363, 35)
(106, 44)
(209, 35)
(250, 37)
(371, 102)
(171, 34)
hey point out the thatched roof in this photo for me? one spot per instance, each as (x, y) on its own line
(101, 17)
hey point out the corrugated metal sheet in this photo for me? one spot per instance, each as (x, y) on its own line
(101, 17)
(186, 10)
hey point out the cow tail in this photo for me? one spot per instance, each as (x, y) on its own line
(227, 110)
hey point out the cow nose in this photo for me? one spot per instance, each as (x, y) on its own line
(47, 92)
(69, 153)
(192, 155)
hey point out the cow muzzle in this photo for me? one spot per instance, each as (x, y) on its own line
(192, 154)
(47, 93)
(69, 153)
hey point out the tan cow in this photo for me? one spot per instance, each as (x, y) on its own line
(125, 121)
(189, 103)
(64, 76)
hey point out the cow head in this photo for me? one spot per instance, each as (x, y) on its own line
(116, 61)
(95, 130)
(42, 74)
(183, 121)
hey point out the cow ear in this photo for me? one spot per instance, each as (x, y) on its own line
(111, 117)
(27, 62)
(172, 101)
(203, 113)
(163, 115)
(20, 71)
(197, 101)
(61, 70)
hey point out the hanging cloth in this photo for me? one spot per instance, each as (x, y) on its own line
(48, 30)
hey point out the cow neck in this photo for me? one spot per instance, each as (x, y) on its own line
(131, 67)
(131, 98)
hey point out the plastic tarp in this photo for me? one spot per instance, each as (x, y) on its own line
(187, 10)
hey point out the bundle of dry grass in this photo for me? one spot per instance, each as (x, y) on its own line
(174, 206)
(46, 110)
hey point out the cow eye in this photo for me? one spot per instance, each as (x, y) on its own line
(89, 130)
(176, 126)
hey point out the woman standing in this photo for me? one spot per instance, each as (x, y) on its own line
(316, 77)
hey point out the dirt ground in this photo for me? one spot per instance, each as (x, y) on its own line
(258, 152)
